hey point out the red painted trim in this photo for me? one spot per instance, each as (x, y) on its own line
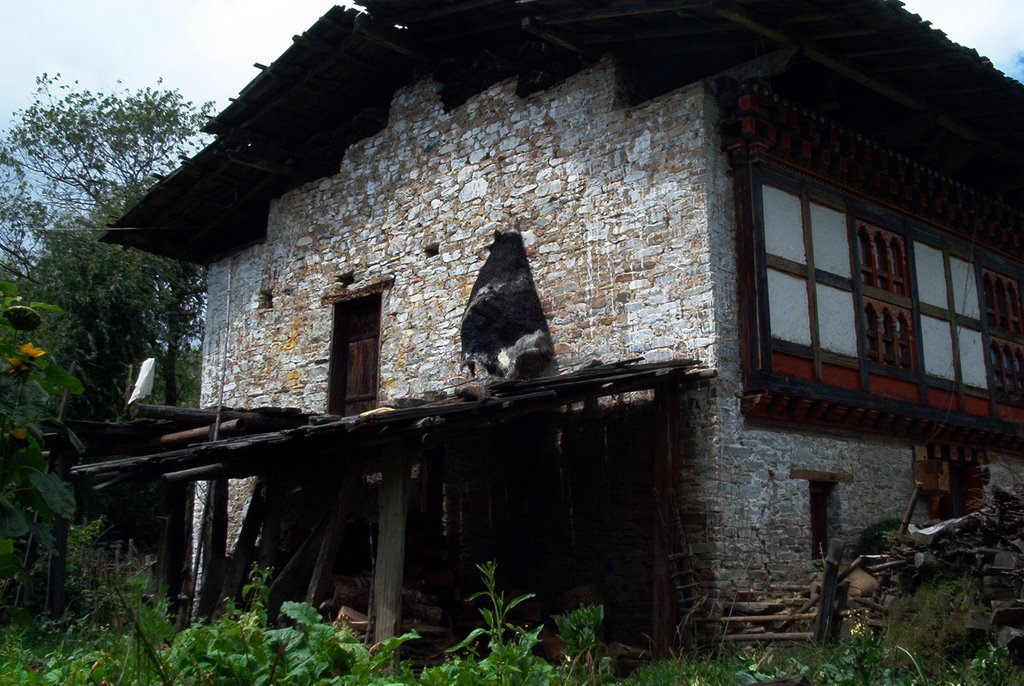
(943, 399)
(1010, 413)
(843, 377)
(893, 388)
(979, 406)
(791, 365)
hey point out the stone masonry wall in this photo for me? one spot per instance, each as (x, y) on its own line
(610, 199)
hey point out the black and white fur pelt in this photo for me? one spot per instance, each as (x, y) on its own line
(503, 327)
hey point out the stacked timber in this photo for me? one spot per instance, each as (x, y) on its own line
(987, 544)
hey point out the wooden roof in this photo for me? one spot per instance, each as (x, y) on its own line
(870, 65)
(327, 437)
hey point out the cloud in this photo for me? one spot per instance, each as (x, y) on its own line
(995, 28)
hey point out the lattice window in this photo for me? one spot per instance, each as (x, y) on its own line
(883, 259)
(1007, 367)
(1002, 302)
(890, 339)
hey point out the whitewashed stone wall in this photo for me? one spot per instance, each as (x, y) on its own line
(611, 201)
(629, 223)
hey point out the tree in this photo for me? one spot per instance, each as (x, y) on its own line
(71, 163)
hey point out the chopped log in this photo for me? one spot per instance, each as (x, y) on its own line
(320, 582)
(894, 564)
(389, 570)
(201, 434)
(811, 602)
(1011, 615)
(825, 624)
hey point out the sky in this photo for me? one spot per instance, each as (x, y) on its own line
(206, 48)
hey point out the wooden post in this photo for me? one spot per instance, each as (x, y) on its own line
(664, 610)
(390, 567)
(271, 523)
(56, 573)
(173, 541)
(215, 551)
(241, 558)
(911, 506)
(824, 626)
(320, 581)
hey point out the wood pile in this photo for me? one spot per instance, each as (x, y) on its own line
(987, 544)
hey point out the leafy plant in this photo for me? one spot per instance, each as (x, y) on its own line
(509, 660)
(582, 630)
(31, 497)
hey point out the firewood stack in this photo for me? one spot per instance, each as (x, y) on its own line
(987, 544)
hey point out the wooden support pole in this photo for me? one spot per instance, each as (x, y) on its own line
(292, 580)
(215, 549)
(56, 573)
(271, 524)
(171, 571)
(320, 581)
(241, 558)
(825, 624)
(911, 506)
(664, 611)
(390, 567)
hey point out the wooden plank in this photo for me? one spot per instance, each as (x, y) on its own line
(242, 556)
(290, 582)
(754, 619)
(829, 477)
(215, 549)
(320, 581)
(664, 611)
(788, 636)
(825, 623)
(56, 573)
(172, 562)
(390, 567)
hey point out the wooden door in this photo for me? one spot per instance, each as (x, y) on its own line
(355, 349)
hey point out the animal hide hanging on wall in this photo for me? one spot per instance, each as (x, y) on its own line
(503, 328)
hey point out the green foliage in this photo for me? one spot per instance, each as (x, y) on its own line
(509, 661)
(31, 497)
(75, 160)
(875, 539)
(583, 632)
(933, 621)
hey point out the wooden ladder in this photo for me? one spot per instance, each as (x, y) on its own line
(680, 568)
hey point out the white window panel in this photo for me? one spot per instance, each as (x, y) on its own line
(837, 329)
(783, 224)
(830, 240)
(787, 300)
(931, 275)
(965, 288)
(937, 345)
(972, 357)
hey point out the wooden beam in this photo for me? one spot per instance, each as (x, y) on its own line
(664, 617)
(172, 561)
(388, 37)
(215, 549)
(291, 580)
(623, 9)
(734, 12)
(57, 567)
(830, 477)
(320, 581)
(562, 39)
(390, 567)
(242, 556)
(825, 625)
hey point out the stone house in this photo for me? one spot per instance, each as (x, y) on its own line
(821, 205)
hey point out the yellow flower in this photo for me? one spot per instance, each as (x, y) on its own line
(19, 433)
(31, 351)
